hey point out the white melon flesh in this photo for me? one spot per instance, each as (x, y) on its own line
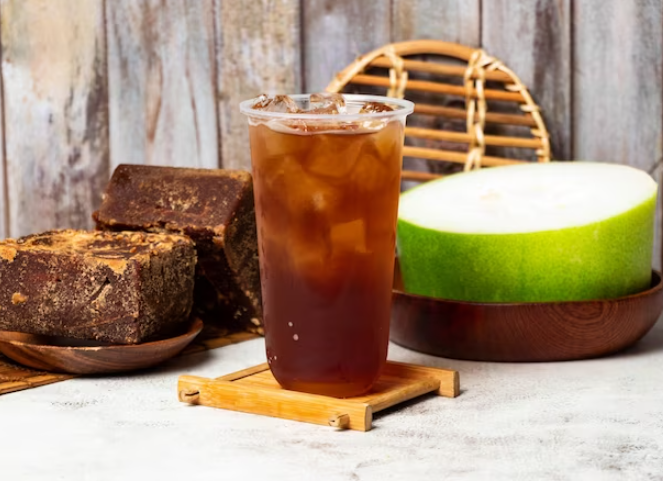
(534, 232)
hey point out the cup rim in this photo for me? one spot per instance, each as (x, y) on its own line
(405, 107)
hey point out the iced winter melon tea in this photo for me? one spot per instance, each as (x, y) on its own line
(326, 178)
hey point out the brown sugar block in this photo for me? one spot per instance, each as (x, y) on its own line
(215, 208)
(121, 288)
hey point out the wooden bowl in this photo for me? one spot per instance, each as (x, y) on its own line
(548, 331)
(47, 353)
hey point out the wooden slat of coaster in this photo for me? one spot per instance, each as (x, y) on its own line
(293, 405)
(17, 378)
(449, 379)
(254, 390)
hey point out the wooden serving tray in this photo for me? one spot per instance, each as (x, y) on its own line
(14, 377)
(254, 390)
(523, 331)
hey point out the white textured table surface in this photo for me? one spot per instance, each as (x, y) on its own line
(593, 420)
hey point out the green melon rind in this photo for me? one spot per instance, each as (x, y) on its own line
(606, 259)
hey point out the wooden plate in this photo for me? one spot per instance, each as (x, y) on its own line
(80, 357)
(549, 331)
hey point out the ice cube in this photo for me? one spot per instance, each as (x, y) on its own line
(308, 199)
(277, 103)
(375, 172)
(334, 156)
(279, 140)
(313, 262)
(373, 107)
(326, 98)
(330, 109)
(349, 237)
(262, 102)
(326, 103)
(389, 141)
(324, 264)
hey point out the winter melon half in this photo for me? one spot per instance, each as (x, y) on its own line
(529, 233)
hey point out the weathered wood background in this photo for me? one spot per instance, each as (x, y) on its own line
(89, 84)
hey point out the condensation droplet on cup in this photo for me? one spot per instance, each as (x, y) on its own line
(290, 324)
(295, 337)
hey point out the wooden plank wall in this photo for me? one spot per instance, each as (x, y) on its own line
(540, 54)
(89, 84)
(335, 33)
(162, 83)
(55, 92)
(617, 84)
(258, 51)
(4, 205)
(447, 20)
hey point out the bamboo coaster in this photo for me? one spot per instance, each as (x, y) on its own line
(254, 390)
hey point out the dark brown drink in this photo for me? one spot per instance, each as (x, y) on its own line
(326, 204)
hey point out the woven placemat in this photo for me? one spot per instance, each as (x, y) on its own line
(16, 378)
